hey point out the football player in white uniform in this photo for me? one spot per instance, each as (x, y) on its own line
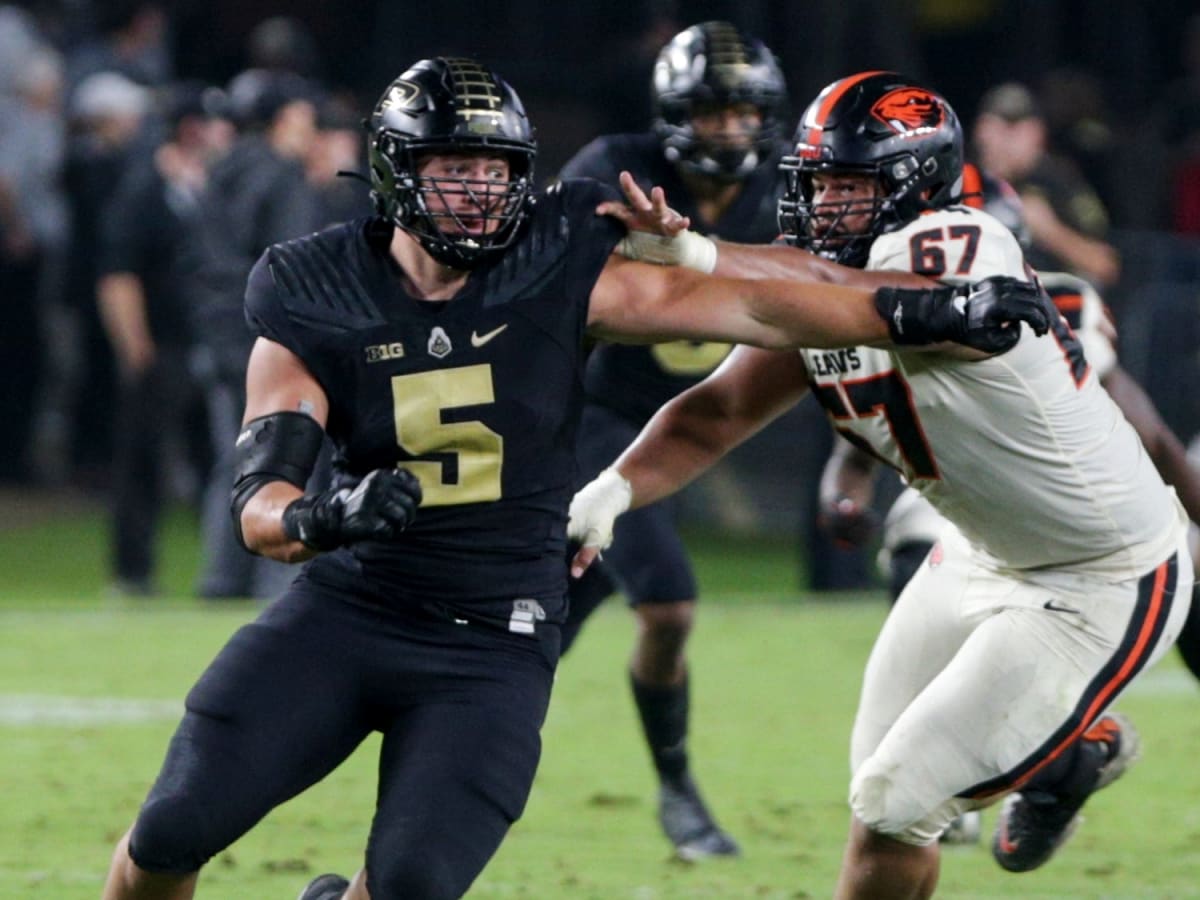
(912, 526)
(1068, 573)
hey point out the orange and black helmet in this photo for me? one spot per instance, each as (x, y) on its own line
(879, 124)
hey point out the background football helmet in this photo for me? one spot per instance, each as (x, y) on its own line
(714, 64)
(880, 124)
(447, 105)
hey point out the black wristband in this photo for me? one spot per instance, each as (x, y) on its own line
(918, 315)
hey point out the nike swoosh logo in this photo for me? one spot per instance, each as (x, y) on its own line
(1006, 844)
(1050, 605)
(478, 340)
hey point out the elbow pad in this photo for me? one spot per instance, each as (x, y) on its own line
(282, 446)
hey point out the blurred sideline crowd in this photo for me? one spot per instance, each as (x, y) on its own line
(132, 207)
(133, 204)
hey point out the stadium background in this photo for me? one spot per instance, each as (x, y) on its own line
(90, 684)
(1118, 68)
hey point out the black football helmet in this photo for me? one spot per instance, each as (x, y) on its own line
(448, 105)
(713, 65)
(874, 123)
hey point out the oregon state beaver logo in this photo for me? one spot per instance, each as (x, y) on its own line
(910, 111)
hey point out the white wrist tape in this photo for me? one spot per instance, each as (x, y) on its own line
(687, 249)
(595, 508)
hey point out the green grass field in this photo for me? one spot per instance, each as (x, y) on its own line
(90, 688)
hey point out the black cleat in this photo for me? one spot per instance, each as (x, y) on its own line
(325, 887)
(1034, 824)
(689, 825)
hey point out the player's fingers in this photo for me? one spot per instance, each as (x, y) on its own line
(616, 210)
(583, 560)
(677, 225)
(658, 199)
(634, 194)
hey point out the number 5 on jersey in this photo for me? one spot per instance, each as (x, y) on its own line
(456, 462)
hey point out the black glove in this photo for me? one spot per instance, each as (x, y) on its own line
(377, 509)
(847, 523)
(985, 315)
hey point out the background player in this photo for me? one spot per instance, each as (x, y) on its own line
(440, 346)
(995, 667)
(715, 147)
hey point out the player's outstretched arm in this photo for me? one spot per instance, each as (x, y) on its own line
(687, 436)
(633, 302)
(658, 235)
(276, 450)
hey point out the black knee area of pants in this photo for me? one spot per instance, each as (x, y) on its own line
(906, 559)
(164, 839)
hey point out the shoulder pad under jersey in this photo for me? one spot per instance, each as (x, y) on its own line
(321, 279)
(563, 216)
(954, 244)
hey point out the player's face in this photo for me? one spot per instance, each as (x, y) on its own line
(1008, 149)
(465, 192)
(843, 203)
(732, 127)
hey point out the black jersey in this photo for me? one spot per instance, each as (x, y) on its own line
(478, 396)
(636, 381)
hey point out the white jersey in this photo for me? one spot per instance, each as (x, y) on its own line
(911, 518)
(1024, 452)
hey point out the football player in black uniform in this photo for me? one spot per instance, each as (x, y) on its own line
(439, 344)
(715, 148)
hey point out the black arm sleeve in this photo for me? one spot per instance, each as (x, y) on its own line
(282, 446)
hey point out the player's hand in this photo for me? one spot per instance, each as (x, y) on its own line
(642, 213)
(378, 508)
(986, 315)
(592, 515)
(848, 523)
(657, 233)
